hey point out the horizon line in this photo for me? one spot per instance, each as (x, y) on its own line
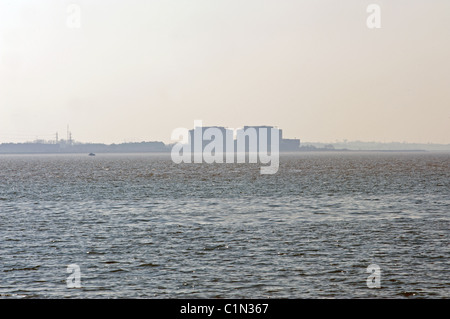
(46, 141)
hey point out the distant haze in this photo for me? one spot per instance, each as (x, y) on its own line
(136, 70)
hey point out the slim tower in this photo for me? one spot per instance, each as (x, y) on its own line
(69, 136)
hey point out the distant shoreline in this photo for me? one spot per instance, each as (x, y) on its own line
(63, 147)
(281, 153)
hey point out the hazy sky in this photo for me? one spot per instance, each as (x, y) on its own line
(136, 70)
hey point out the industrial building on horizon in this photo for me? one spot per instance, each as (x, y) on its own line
(254, 135)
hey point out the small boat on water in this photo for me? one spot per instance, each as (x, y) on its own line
(91, 154)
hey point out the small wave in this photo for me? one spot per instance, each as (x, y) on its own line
(407, 294)
(22, 269)
(94, 253)
(148, 265)
(19, 295)
(119, 270)
(220, 247)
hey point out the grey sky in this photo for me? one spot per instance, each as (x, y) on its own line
(136, 70)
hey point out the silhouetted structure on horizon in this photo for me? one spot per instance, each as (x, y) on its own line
(250, 136)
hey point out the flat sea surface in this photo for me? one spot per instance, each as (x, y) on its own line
(140, 226)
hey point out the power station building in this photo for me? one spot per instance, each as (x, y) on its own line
(247, 139)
